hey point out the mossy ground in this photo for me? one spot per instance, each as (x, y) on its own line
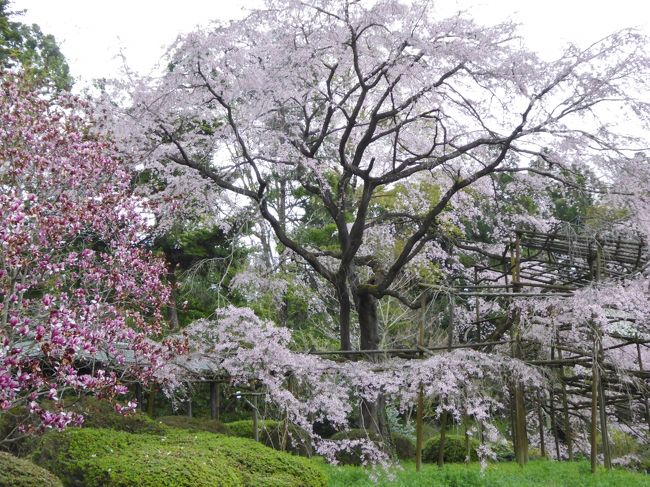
(18, 472)
(91, 457)
(538, 473)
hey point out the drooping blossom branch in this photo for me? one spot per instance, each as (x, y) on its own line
(247, 351)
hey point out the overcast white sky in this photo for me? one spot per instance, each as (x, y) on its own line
(91, 32)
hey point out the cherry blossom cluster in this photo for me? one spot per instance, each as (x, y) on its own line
(252, 352)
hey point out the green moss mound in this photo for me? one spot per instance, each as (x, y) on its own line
(194, 424)
(244, 427)
(97, 414)
(455, 450)
(275, 434)
(18, 472)
(101, 457)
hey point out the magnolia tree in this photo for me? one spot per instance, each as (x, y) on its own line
(75, 286)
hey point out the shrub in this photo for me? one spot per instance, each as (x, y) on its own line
(506, 453)
(404, 446)
(353, 456)
(621, 443)
(275, 434)
(16, 442)
(244, 427)
(455, 449)
(98, 457)
(194, 424)
(18, 472)
(101, 414)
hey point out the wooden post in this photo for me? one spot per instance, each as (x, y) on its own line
(468, 446)
(513, 421)
(256, 431)
(607, 460)
(214, 400)
(479, 332)
(478, 310)
(444, 417)
(521, 433)
(540, 420)
(643, 392)
(551, 406)
(419, 417)
(189, 407)
(594, 409)
(568, 432)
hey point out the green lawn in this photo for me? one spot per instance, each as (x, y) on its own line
(536, 474)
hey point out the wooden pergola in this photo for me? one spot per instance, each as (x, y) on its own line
(540, 265)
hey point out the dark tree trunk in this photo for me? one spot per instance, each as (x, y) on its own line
(172, 309)
(345, 309)
(373, 414)
(368, 326)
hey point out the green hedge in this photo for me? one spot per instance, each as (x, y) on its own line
(101, 457)
(455, 449)
(244, 427)
(404, 446)
(275, 435)
(18, 472)
(101, 414)
(194, 424)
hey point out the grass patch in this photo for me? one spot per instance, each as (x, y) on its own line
(539, 473)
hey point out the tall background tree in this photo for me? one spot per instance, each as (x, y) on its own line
(27, 48)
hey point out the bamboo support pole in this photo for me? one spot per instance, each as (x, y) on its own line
(604, 433)
(540, 420)
(214, 400)
(521, 449)
(419, 420)
(477, 306)
(643, 393)
(607, 460)
(568, 433)
(554, 429)
(256, 430)
(444, 418)
(594, 411)
(415, 351)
